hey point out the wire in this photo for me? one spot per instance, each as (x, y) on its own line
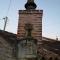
(8, 7)
(5, 19)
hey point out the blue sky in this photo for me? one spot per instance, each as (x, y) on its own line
(51, 15)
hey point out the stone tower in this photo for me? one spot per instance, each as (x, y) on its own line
(33, 16)
(27, 46)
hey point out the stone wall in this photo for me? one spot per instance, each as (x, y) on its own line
(6, 50)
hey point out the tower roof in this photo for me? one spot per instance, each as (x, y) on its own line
(30, 5)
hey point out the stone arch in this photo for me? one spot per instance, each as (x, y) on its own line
(50, 58)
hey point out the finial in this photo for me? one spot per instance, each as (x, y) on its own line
(30, 5)
(30, 0)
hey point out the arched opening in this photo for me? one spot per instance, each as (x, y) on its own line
(56, 58)
(50, 58)
(43, 58)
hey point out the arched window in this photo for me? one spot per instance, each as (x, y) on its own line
(50, 58)
(56, 58)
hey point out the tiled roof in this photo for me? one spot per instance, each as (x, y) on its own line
(48, 43)
(5, 33)
(9, 37)
(51, 45)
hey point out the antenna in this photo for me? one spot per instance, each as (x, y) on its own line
(5, 22)
(57, 38)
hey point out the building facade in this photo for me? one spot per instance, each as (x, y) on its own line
(28, 43)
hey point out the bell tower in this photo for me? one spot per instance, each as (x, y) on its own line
(33, 16)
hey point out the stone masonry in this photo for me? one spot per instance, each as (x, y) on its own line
(30, 16)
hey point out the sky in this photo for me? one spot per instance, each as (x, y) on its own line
(50, 20)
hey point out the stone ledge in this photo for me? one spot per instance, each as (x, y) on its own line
(30, 11)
